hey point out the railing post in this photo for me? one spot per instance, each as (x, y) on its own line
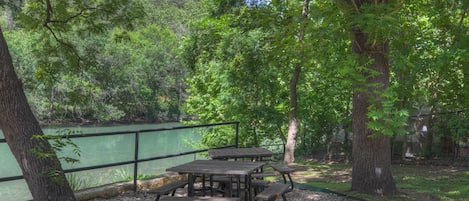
(136, 160)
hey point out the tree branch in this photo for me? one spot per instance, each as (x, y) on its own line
(355, 6)
(67, 45)
(49, 11)
(48, 20)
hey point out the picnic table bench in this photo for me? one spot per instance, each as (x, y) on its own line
(168, 188)
(285, 171)
(273, 192)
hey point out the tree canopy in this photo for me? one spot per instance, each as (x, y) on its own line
(217, 60)
(118, 61)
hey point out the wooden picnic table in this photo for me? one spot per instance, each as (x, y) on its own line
(218, 167)
(254, 153)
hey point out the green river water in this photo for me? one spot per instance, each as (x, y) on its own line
(107, 149)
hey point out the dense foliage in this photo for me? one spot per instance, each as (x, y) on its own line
(242, 57)
(243, 64)
(130, 71)
(232, 61)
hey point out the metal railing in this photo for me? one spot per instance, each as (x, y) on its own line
(136, 159)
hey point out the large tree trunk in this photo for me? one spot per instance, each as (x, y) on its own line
(293, 128)
(371, 155)
(44, 175)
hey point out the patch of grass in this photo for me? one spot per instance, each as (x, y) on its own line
(76, 182)
(334, 186)
(415, 182)
(331, 176)
(399, 197)
(444, 183)
(122, 175)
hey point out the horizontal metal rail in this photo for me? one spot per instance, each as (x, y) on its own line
(136, 145)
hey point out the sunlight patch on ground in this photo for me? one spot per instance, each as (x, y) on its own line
(313, 197)
(305, 176)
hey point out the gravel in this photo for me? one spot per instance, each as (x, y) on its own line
(295, 195)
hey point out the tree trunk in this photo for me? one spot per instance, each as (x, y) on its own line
(44, 175)
(371, 155)
(289, 156)
(290, 146)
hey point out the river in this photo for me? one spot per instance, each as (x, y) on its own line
(106, 149)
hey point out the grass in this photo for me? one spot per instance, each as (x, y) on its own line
(442, 182)
(76, 182)
(415, 182)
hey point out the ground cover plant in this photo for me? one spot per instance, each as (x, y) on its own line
(414, 181)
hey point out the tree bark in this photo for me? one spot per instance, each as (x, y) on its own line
(44, 176)
(293, 128)
(289, 156)
(371, 155)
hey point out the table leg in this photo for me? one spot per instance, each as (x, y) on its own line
(203, 184)
(190, 185)
(211, 185)
(248, 186)
(238, 185)
(230, 187)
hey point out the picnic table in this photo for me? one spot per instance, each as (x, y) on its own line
(254, 153)
(218, 167)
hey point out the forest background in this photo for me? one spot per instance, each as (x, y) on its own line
(216, 61)
(185, 59)
(275, 66)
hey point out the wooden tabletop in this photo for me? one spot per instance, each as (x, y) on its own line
(226, 153)
(217, 167)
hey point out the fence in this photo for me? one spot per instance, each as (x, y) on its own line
(137, 159)
(435, 135)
